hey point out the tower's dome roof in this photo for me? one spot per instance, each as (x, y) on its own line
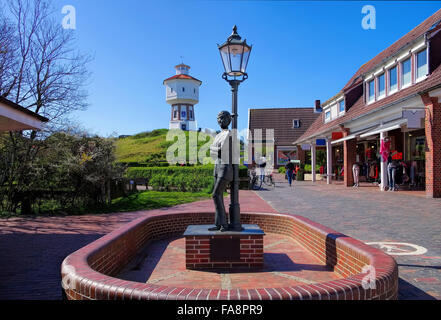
(182, 76)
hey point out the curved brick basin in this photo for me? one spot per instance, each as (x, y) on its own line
(96, 271)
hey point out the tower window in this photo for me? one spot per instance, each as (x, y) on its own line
(183, 89)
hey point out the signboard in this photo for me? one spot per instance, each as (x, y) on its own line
(320, 142)
(337, 135)
(306, 147)
(286, 154)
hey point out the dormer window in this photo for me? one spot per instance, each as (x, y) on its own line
(371, 90)
(393, 83)
(422, 69)
(296, 123)
(328, 116)
(381, 86)
(406, 73)
(341, 106)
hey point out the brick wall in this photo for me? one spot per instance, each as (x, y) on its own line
(89, 273)
(433, 151)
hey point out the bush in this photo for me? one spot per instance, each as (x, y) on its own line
(308, 168)
(186, 179)
(282, 170)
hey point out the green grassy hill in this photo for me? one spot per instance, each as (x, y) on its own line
(149, 147)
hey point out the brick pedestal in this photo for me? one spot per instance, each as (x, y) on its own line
(225, 250)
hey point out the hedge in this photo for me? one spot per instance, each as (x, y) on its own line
(191, 179)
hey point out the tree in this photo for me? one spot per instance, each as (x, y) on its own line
(41, 70)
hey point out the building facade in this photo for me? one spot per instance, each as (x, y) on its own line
(182, 94)
(279, 126)
(389, 111)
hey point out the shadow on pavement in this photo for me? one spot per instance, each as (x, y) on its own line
(407, 291)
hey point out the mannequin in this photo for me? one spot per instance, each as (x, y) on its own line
(356, 174)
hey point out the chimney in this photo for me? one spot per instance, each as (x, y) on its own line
(318, 106)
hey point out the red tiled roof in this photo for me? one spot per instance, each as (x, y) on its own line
(182, 76)
(360, 108)
(413, 35)
(281, 120)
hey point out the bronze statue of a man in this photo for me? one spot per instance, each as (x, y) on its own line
(220, 151)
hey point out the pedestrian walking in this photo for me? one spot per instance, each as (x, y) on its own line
(289, 172)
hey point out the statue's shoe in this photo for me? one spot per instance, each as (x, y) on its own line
(214, 228)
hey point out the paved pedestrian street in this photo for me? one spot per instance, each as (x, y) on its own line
(398, 222)
(407, 224)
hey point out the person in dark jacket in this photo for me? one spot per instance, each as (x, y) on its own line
(289, 171)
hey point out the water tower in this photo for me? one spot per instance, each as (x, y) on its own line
(182, 93)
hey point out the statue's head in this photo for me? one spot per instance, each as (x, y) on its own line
(224, 119)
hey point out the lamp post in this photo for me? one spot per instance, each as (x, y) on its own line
(235, 53)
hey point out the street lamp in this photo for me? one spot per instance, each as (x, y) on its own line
(235, 53)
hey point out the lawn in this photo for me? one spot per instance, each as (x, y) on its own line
(146, 200)
(149, 200)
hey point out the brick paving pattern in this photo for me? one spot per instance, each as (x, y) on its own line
(373, 216)
(33, 248)
(287, 263)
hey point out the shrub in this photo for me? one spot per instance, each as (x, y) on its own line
(184, 179)
(308, 168)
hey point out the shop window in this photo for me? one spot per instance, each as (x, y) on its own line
(381, 85)
(406, 72)
(393, 83)
(422, 69)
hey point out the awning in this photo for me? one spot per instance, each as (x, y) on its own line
(352, 136)
(16, 118)
(385, 127)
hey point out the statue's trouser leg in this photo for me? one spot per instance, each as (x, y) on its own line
(218, 197)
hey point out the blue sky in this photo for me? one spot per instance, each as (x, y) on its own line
(302, 51)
